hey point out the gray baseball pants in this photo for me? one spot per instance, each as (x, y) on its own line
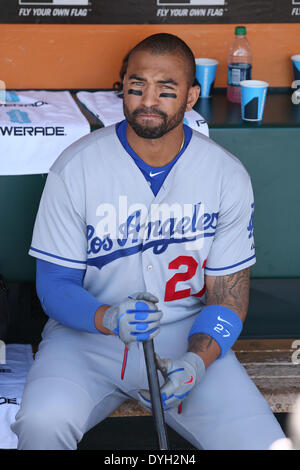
(75, 383)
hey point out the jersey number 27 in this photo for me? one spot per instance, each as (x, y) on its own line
(170, 292)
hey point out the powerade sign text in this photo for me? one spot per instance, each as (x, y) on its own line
(21, 116)
(21, 131)
(149, 11)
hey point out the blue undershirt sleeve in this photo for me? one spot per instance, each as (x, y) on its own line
(63, 296)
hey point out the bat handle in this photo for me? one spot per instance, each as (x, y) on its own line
(157, 409)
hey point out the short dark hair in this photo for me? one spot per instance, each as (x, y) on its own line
(164, 43)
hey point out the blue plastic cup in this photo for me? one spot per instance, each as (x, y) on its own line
(296, 82)
(296, 66)
(253, 98)
(205, 75)
(2, 92)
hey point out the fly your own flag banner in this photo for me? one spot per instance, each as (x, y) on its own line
(149, 11)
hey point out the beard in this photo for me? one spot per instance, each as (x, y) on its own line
(148, 131)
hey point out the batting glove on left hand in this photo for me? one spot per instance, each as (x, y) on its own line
(180, 375)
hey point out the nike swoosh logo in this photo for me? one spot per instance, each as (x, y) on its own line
(154, 174)
(189, 381)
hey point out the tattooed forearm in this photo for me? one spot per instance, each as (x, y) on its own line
(205, 346)
(231, 291)
(199, 343)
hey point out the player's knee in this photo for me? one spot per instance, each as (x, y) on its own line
(42, 427)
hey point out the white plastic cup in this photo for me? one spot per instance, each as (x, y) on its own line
(253, 99)
(205, 75)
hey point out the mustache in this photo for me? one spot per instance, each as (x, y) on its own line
(151, 110)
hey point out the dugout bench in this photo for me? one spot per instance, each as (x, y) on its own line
(269, 346)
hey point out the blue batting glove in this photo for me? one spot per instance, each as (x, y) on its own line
(136, 318)
(181, 375)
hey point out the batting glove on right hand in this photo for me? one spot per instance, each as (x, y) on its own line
(180, 375)
(136, 318)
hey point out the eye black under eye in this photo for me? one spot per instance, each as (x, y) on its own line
(168, 95)
(135, 92)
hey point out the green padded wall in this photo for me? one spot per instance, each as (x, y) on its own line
(19, 201)
(271, 157)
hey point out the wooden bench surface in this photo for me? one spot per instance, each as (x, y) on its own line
(271, 365)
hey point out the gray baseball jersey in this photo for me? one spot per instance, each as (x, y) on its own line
(98, 213)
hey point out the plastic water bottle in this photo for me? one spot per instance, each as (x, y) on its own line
(239, 64)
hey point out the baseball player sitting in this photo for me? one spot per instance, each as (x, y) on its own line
(145, 230)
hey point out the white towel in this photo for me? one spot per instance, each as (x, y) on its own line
(14, 367)
(35, 127)
(108, 107)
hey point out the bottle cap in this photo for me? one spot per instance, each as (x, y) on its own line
(240, 30)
